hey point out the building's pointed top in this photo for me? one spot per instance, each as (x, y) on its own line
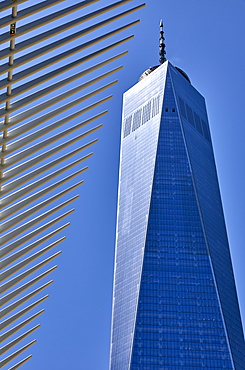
(162, 46)
(162, 57)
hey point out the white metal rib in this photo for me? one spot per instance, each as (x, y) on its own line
(19, 242)
(10, 283)
(39, 171)
(20, 363)
(41, 107)
(19, 326)
(13, 197)
(48, 62)
(23, 228)
(16, 328)
(7, 4)
(27, 58)
(41, 132)
(5, 21)
(56, 72)
(20, 253)
(19, 314)
(11, 295)
(31, 10)
(51, 88)
(13, 269)
(7, 310)
(6, 360)
(8, 175)
(27, 201)
(33, 149)
(66, 26)
(13, 343)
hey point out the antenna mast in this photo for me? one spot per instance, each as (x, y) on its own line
(162, 46)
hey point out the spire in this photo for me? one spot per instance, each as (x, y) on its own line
(162, 51)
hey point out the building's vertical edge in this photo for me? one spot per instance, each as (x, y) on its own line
(114, 269)
(202, 163)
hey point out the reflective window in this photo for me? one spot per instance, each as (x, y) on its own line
(127, 126)
(141, 116)
(155, 106)
(146, 116)
(194, 119)
(137, 119)
(206, 130)
(198, 123)
(189, 115)
(182, 107)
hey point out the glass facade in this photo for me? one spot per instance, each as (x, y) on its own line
(174, 301)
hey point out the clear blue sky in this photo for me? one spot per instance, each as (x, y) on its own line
(205, 39)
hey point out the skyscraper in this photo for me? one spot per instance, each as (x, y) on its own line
(174, 302)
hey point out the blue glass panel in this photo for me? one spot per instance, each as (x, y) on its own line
(198, 123)
(190, 115)
(182, 107)
(206, 130)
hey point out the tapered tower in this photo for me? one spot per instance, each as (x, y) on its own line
(175, 304)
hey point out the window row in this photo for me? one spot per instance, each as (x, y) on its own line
(141, 116)
(193, 118)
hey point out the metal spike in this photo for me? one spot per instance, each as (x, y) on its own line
(162, 46)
